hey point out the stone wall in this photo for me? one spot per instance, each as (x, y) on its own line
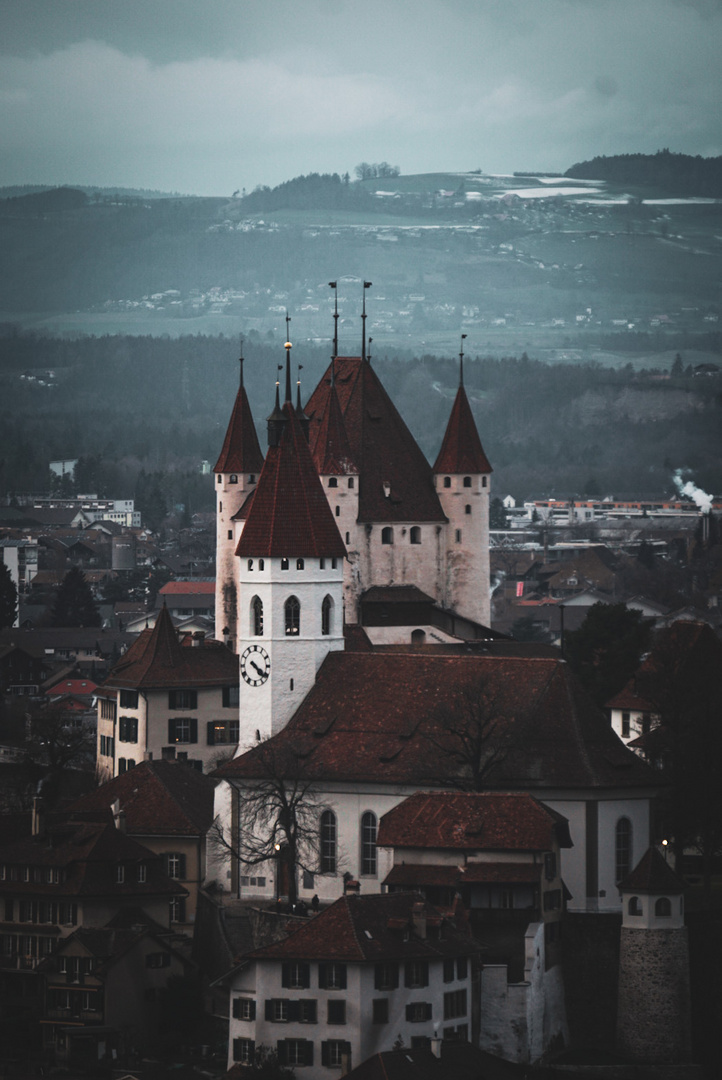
(653, 1015)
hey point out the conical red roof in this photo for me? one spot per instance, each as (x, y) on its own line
(241, 452)
(332, 449)
(396, 480)
(461, 451)
(290, 515)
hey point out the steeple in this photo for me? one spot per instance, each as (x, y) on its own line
(300, 414)
(461, 450)
(332, 452)
(241, 452)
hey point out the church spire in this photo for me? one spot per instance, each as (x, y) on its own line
(276, 420)
(461, 450)
(288, 347)
(241, 452)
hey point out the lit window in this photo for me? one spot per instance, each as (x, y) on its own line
(292, 615)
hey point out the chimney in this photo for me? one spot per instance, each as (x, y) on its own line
(436, 1046)
(345, 1064)
(38, 817)
(199, 637)
(120, 821)
(351, 887)
(418, 918)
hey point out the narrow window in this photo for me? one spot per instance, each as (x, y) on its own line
(292, 615)
(483, 481)
(326, 615)
(257, 616)
(467, 508)
(623, 848)
(457, 536)
(328, 842)
(230, 534)
(338, 511)
(334, 563)
(333, 482)
(250, 564)
(447, 481)
(220, 479)
(300, 564)
(368, 844)
(233, 479)
(284, 564)
(350, 481)
(415, 534)
(348, 538)
(634, 907)
(322, 564)
(467, 481)
(387, 535)
(261, 564)
(625, 725)
(251, 478)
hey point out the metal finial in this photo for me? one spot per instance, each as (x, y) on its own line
(461, 361)
(288, 366)
(367, 285)
(334, 285)
(240, 359)
(369, 350)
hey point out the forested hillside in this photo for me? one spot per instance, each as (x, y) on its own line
(678, 174)
(131, 407)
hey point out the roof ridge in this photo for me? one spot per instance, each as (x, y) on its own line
(359, 946)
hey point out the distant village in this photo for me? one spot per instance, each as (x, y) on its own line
(308, 785)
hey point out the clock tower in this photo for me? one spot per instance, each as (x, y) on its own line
(290, 575)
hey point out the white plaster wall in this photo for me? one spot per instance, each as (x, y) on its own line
(610, 811)
(466, 584)
(572, 860)
(402, 563)
(229, 498)
(401, 635)
(648, 920)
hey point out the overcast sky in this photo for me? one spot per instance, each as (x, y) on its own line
(207, 96)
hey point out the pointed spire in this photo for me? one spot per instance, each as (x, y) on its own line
(300, 414)
(276, 420)
(461, 450)
(367, 285)
(332, 453)
(241, 452)
(288, 348)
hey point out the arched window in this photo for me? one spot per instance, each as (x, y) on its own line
(418, 637)
(261, 564)
(483, 481)
(328, 842)
(284, 564)
(447, 481)
(387, 535)
(350, 481)
(220, 478)
(292, 613)
(368, 844)
(663, 907)
(332, 482)
(634, 907)
(414, 535)
(250, 564)
(622, 848)
(300, 564)
(338, 511)
(257, 616)
(467, 481)
(326, 615)
(233, 479)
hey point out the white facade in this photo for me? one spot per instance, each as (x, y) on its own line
(465, 501)
(260, 982)
(232, 490)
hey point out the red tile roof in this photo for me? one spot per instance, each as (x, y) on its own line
(159, 798)
(379, 717)
(628, 698)
(361, 929)
(290, 515)
(156, 659)
(240, 452)
(411, 875)
(188, 588)
(382, 446)
(332, 450)
(652, 875)
(463, 821)
(461, 450)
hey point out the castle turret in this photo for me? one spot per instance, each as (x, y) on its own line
(653, 965)
(291, 559)
(237, 471)
(462, 476)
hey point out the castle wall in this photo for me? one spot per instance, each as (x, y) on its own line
(465, 581)
(653, 1016)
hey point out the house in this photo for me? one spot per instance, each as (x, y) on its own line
(168, 807)
(165, 700)
(349, 982)
(103, 990)
(189, 598)
(500, 853)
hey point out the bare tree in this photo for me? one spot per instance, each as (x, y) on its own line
(469, 737)
(276, 816)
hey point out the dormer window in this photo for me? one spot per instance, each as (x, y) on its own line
(233, 479)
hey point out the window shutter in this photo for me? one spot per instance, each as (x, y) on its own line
(236, 1009)
(285, 974)
(305, 973)
(308, 1053)
(226, 696)
(171, 699)
(325, 1055)
(171, 729)
(409, 1013)
(322, 981)
(252, 1010)
(281, 1051)
(429, 1010)
(194, 730)
(292, 1010)
(182, 866)
(269, 1009)
(342, 980)
(211, 736)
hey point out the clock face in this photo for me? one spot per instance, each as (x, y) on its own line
(255, 665)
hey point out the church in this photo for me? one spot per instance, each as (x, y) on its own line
(353, 583)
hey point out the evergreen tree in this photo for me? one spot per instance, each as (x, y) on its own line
(74, 604)
(8, 597)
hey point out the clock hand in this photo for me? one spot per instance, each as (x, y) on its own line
(258, 669)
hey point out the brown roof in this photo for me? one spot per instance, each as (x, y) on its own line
(460, 1060)
(290, 515)
(364, 929)
(382, 446)
(378, 717)
(482, 821)
(188, 588)
(652, 875)
(240, 452)
(332, 448)
(628, 698)
(461, 450)
(160, 798)
(156, 659)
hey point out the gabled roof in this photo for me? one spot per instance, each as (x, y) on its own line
(332, 451)
(365, 929)
(159, 798)
(290, 515)
(461, 450)
(156, 659)
(460, 1060)
(481, 821)
(652, 875)
(628, 698)
(240, 452)
(378, 717)
(188, 588)
(383, 448)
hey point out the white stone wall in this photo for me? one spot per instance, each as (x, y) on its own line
(229, 498)
(466, 587)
